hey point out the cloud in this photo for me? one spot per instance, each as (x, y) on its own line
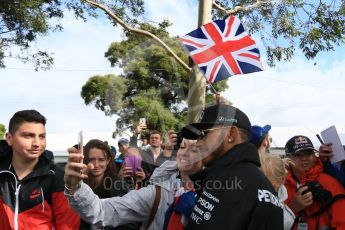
(293, 94)
(297, 93)
(79, 54)
(183, 15)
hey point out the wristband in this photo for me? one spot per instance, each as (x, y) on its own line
(72, 188)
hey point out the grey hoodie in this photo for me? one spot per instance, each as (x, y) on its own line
(135, 206)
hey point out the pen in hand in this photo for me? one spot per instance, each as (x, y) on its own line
(318, 137)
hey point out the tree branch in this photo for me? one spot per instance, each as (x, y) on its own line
(4, 32)
(238, 8)
(139, 31)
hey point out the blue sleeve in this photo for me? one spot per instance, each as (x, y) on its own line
(341, 174)
(335, 171)
(330, 169)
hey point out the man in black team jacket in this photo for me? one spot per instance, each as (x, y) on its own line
(233, 193)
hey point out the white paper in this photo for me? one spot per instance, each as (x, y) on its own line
(330, 135)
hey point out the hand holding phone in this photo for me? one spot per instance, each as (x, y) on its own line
(80, 147)
(142, 121)
(81, 143)
(133, 162)
(141, 126)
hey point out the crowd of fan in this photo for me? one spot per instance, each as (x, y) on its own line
(216, 173)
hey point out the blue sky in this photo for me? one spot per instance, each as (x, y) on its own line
(294, 94)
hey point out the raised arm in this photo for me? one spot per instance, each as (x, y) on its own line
(135, 206)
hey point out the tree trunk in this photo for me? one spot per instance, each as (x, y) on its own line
(197, 83)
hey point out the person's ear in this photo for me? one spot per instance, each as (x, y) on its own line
(9, 138)
(232, 134)
(265, 142)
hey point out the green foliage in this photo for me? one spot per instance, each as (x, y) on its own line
(156, 87)
(23, 21)
(105, 92)
(149, 105)
(2, 131)
(284, 26)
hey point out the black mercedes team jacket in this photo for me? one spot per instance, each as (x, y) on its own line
(235, 194)
(35, 202)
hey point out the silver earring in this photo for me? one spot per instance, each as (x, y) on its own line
(230, 140)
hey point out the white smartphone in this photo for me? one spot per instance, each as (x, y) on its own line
(80, 142)
(81, 146)
(142, 121)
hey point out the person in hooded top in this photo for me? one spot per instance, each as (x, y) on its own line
(233, 192)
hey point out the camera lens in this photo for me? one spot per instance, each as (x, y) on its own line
(319, 193)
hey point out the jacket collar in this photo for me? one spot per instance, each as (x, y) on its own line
(244, 152)
(314, 172)
(42, 168)
(310, 175)
(5, 155)
(4, 147)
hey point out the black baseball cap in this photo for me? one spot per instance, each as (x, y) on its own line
(297, 144)
(217, 115)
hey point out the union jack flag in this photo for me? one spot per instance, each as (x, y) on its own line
(223, 48)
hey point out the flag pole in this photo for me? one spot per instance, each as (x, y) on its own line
(213, 89)
(217, 94)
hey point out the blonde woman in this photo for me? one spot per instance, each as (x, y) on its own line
(275, 170)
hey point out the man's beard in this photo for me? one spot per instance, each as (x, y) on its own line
(216, 153)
